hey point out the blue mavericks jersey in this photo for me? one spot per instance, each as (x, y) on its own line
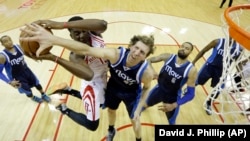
(126, 78)
(172, 75)
(15, 63)
(216, 58)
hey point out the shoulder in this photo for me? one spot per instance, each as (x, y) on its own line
(148, 73)
(2, 58)
(193, 71)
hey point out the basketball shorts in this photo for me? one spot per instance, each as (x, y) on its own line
(92, 97)
(28, 80)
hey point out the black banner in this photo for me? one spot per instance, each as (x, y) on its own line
(216, 132)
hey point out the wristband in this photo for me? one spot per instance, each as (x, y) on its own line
(65, 25)
(56, 59)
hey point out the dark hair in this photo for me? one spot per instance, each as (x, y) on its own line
(75, 18)
(1, 39)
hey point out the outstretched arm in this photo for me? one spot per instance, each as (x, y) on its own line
(95, 25)
(212, 44)
(80, 70)
(146, 80)
(46, 39)
(155, 59)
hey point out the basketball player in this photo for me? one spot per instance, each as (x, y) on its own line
(244, 72)
(19, 75)
(214, 65)
(175, 73)
(243, 69)
(91, 92)
(128, 69)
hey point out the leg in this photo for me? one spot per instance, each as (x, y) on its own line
(213, 96)
(63, 88)
(111, 129)
(215, 93)
(34, 98)
(172, 115)
(91, 104)
(230, 3)
(44, 96)
(25, 88)
(222, 3)
(78, 117)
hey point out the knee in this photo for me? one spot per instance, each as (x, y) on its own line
(93, 125)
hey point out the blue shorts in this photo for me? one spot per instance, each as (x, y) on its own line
(207, 72)
(114, 96)
(157, 95)
(28, 80)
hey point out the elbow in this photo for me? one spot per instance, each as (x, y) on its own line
(104, 25)
(83, 75)
(88, 77)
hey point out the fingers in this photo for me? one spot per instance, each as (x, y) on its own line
(38, 52)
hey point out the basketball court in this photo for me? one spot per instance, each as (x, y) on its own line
(172, 22)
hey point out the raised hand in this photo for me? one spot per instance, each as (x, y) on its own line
(39, 34)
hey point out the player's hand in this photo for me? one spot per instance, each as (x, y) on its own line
(16, 84)
(47, 56)
(167, 107)
(136, 120)
(39, 34)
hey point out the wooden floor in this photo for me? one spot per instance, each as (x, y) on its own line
(171, 21)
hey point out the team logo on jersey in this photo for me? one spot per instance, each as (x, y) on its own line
(126, 79)
(17, 61)
(171, 72)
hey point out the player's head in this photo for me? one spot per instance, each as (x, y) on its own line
(6, 41)
(79, 34)
(185, 49)
(141, 46)
(75, 18)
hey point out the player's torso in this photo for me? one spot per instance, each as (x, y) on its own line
(216, 58)
(16, 60)
(98, 65)
(173, 75)
(128, 78)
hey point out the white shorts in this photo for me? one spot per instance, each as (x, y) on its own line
(92, 97)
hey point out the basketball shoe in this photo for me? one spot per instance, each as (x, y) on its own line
(57, 88)
(46, 98)
(111, 135)
(37, 99)
(62, 107)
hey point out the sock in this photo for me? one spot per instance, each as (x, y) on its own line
(111, 128)
(138, 139)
